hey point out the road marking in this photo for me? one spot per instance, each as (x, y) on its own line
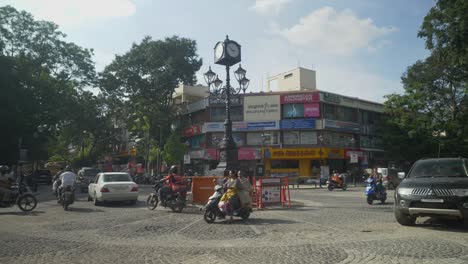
(187, 226)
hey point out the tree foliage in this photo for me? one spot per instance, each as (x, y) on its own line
(432, 113)
(174, 149)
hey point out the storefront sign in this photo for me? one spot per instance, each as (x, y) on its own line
(333, 153)
(262, 108)
(211, 154)
(192, 130)
(186, 159)
(296, 153)
(331, 98)
(312, 110)
(353, 158)
(241, 126)
(341, 126)
(348, 153)
(235, 100)
(297, 123)
(249, 154)
(197, 154)
(300, 98)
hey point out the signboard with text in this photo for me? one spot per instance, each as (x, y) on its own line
(192, 130)
(341, 126)
(241, 126)
(297, 124)
(262, 108)
(300, 98)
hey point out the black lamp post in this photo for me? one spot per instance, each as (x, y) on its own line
(227, 53)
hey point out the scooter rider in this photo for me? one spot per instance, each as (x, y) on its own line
(172, 179)
(57, 182)
(67, 178)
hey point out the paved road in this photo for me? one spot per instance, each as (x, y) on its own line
(322, 227)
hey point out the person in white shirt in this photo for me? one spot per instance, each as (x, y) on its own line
(68, 179)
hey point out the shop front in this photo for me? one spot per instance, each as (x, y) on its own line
(303, 162)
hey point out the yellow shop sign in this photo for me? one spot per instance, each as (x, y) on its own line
(296, 153)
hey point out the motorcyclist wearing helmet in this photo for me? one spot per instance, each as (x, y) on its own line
(5, 184)
(171, 180)
(67, 179)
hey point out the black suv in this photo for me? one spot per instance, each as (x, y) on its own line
(433, 187)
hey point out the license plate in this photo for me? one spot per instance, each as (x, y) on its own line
(432, 200)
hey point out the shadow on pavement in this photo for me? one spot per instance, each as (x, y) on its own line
(21, 213)
(446, 225)
(253, 221)
(84, 210)
(139, 204)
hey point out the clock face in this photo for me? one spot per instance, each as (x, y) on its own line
(232, 50)
(219, 50)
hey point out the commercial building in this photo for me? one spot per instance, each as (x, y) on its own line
(291, 131)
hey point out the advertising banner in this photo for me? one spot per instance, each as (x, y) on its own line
(293, 110)
(262, 108)
(241, 126)
(192, 131)
(249, 154)
(186, 159)
(341, 126)
(353, 158)
(297, 124)
(312, 110)
(197, 154)
(300, 98)
(211, 154)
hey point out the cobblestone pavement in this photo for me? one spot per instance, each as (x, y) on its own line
(321, 227)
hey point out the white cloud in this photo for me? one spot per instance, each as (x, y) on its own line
(265, 7)
(336, 32)
(76, 12)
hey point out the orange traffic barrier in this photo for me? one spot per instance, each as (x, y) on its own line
(202, 188)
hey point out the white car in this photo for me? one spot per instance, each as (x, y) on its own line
(112, 186)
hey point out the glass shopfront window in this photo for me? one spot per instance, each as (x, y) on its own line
(285, 164)
(218, 114)
(338, 139)
(341, 113)
(256, 139)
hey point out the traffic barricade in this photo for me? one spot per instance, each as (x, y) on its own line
(202, 188)
(271, 191)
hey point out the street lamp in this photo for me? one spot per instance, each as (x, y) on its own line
(227, 53)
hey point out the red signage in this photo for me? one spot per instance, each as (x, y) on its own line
(300, 98)
(192, 131)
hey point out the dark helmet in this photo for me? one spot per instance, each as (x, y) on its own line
(68, 168)
(173, 169)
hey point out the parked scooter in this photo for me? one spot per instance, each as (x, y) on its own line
(176, 200)
(21, 196)
(337, 181)
(212, 209)
(374, 192)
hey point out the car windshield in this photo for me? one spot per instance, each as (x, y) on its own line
(117, 178)
(439, 168)
(91, 172)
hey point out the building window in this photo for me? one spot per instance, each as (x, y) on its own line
(300, 138)
(288, 76)
(218, 114)
(269, 137)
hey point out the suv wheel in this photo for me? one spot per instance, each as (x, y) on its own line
(404, 219)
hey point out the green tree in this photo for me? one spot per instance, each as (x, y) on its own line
(144, 80)
(431, 115)
(174, 149)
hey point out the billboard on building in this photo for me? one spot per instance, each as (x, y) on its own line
(297, 124)
(341, 126)
(300, 98)
(262, 108)
(241, 126)
(249, 154)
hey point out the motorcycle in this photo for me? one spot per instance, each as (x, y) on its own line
(337, 182)
(373, 194)
(176, 200)
(212, 209)
(66, 198)
(21, 196)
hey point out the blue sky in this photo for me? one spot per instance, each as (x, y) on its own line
(358, 48)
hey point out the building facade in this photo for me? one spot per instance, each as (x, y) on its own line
(286, 133)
